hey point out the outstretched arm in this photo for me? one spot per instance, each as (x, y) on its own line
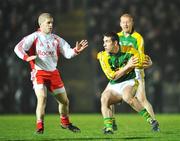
(68, 52)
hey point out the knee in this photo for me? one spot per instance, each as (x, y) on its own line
(41, 100)
(130, 101)
(104, 99)
(67, 102)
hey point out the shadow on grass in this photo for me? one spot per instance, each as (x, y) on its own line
(89, 138)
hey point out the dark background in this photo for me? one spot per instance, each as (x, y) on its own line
(157, 21)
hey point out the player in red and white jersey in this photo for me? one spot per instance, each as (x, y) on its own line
(42, 49)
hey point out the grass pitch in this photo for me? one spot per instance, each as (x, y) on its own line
(130, 127)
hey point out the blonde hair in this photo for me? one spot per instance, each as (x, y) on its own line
(127, 15)
(44, 16)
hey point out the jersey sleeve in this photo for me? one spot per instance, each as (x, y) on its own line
(65, 49)
(103, 60)
(23, 46)
(140, 44)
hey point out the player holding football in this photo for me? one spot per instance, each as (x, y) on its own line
(42, 49)
(119, 68)
(129, 37)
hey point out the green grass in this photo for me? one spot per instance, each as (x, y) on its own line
(130, 127)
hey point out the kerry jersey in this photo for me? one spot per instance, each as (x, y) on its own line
(113, 62)
(135, 40)
(133, 43)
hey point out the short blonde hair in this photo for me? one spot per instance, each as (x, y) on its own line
(44, 16)
(127, 15)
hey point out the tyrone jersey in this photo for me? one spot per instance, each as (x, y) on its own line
(113, 62)
(47, 47)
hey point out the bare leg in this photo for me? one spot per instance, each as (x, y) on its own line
(41, 95)
(128, 97)
(141, 95)
(63, 103)
(107, 99)
(63, 106)
(112, 107)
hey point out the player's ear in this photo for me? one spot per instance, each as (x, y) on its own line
(116, 43)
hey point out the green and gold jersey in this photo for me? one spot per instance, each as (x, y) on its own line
(135, 40)
(113, 62)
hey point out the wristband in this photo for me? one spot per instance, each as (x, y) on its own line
(25, 57)
(75, 50)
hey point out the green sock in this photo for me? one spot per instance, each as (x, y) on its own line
(113, 120)
(108, 122)
(146, 115)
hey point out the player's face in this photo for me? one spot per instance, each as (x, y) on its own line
(47, 25)
(108, 44)
(126, 24)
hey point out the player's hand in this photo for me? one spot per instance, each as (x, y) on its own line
(147, 62)
(133, 62)
(80, 46)
(30, 58)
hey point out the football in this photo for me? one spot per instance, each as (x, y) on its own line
(141, 57)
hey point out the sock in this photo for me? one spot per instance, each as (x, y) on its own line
(65, 120)
(146, 115)
(108, 122)
(39, 124)
(113, 120)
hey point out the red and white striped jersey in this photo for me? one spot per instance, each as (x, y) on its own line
(46, 47)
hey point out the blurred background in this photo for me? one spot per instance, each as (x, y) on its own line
(158, 22)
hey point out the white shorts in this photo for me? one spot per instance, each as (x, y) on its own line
(139, 74)
(119, 87)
